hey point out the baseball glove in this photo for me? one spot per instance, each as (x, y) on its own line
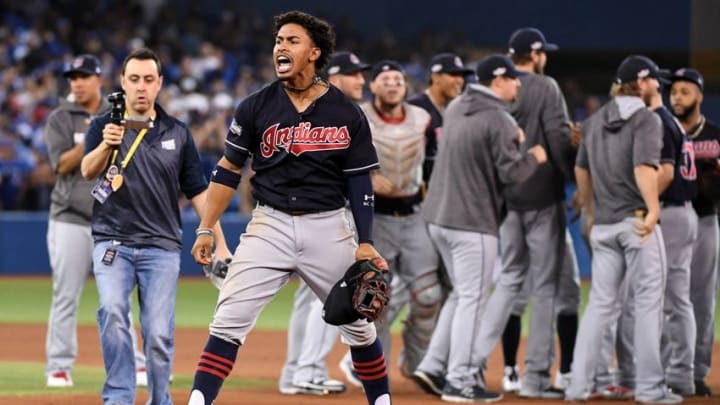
(363, 292)
(372, 292)
(217, 270)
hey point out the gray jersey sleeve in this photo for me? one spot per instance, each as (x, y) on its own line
(556, 125)
(512, 166)
(582, 157)
(58, 136)
(647, 139)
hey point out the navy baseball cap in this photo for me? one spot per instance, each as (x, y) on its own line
(448, 63)
(636, 67)
(526, 40)
(688, 75)
(85, 64)
(345, 63)
(386, 66)
(494, 66)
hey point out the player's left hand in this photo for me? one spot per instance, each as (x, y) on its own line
(202, 249)
(575, 134)
(366, 251)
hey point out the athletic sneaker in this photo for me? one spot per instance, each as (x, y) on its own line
(350, 375)
(511, 380)
(702, 389)
(666, 397)
(616, 392)
(562, 380)
(141, 377)
(430, 383)
(324, 387)
(59, 379)
(468, 394)
(536, 393)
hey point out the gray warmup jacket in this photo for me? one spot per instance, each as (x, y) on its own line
(541, 112)
(619, 136)
(478, 154)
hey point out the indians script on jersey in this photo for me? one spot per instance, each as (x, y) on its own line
(303, 138)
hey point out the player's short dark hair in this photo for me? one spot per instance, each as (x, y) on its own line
(319, 30)
(142, 54)
(520, 59)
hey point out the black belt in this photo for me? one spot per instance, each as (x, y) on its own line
(397, 207)
(293, 212)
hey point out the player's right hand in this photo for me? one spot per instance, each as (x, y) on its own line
(202, 249)
(539, 152)
(644, 227)
(112, 135)
(575, 134)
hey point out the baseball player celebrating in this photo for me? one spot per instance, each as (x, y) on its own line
(399, 131)
(478, 154)
(532, 236)
(685, 99)
(678, 214)
(622, 205)
(312, 150)
(310, 339)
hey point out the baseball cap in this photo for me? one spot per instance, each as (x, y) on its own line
(526, 40)
(448, 63)
(385, 66)
(688, 75)
(636, 67)
(494, 66)
(87, 64)
(345, 63)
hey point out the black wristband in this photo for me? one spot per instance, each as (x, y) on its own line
(225, 177)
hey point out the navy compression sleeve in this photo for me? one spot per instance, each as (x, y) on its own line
(362, 204)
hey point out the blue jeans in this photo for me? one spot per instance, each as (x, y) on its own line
(156, 272)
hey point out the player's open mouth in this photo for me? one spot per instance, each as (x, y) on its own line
(284, 64)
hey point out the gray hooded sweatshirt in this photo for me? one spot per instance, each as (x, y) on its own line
(619, 136)
(477, 155)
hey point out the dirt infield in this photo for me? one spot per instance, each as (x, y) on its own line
(261, 358)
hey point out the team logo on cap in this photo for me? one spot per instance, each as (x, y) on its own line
(334, 70)
(78, 62)
(458, 62)
(537, 45)
(354, 59)
(643, 73)
(680, 72)
(436, 67)
(499, 71)
(385, 68)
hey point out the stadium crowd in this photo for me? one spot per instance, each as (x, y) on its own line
(212, 57)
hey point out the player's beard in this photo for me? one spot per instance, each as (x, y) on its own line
(686, 112)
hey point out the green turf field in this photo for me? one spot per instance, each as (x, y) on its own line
(27, 300)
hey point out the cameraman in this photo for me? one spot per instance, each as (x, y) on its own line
(68, 238)
(140, 167)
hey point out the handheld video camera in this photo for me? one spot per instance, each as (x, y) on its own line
(117, 101)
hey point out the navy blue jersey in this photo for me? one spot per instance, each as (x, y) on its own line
(706, 143)
(301, 159)
(678, 151)
(144, 211)
(433, 132)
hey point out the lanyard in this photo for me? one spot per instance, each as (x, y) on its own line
(132, 150)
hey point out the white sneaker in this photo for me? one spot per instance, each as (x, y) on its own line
(562, 380)
(141, 377)
(511, 380)
(60, 379)
(350, 375)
